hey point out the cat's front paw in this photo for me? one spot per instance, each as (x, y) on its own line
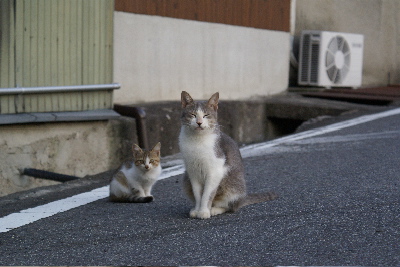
(203, 214)
(200, 214)
(193, 213)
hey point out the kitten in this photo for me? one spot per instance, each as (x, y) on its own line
(133, 180)
(214, 177)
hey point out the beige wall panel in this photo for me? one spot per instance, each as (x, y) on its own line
(155, 58)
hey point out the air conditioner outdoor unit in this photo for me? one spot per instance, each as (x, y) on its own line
(330, 59)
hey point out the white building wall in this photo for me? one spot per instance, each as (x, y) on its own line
(155, 58)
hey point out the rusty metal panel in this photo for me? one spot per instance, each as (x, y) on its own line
(271, 15)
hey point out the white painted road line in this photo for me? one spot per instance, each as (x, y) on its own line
(172, 171)
(27, 216)
(257, 149)
(31, 215)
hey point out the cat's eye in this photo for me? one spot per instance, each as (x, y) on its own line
(193, 115)
(205, 116)
(152, 161)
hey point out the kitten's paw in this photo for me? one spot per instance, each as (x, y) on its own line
(217, 211)
(203, 214)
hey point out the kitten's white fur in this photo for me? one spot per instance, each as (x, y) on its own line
(137, 178)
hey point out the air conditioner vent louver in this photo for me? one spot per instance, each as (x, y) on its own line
(330, 59)
(314, 63)
(305, 57)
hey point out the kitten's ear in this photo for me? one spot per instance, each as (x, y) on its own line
(186, 99)
(213, 102)
(157, 148)
(136, 149)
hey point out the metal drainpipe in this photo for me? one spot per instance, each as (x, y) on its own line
(48, 175)
(140, 116)
(58, 89)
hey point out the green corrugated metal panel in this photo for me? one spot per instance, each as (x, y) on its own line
(63, 42)
(7, 37)
(19, 46)
(55, 102)
(55, 43)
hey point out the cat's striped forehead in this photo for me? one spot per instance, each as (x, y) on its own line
(199, 107)
(147, 154)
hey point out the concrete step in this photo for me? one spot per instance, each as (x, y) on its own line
(383, 95)
(247, 121)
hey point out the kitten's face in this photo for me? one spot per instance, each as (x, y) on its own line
(147, 160)
(199, 116)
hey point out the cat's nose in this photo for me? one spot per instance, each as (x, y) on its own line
(147, 167)
(199, 123)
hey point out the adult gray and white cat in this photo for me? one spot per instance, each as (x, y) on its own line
(135, 178)
(214, 177)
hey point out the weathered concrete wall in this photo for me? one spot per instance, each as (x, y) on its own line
(155, 58)
(377, 20)
(250, 121)
(244, 121)
(76, 148)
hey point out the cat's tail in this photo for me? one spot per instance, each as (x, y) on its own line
(258, 198)
(131, 199)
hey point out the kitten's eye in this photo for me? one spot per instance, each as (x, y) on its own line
(205, 116)
(152, 161)
(193, 115)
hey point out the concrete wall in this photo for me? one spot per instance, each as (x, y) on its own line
(155, 58)
(378, 20)
(78, 148)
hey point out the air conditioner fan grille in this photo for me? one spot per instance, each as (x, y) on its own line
(337, 59)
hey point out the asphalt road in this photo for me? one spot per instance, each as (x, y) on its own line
(338, 205)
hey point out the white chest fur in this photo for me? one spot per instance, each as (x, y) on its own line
(200, 158)
(134, 175)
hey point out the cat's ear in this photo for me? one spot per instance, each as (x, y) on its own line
(157, 148)
(186, 99)
(136, 149)
(213, 102)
